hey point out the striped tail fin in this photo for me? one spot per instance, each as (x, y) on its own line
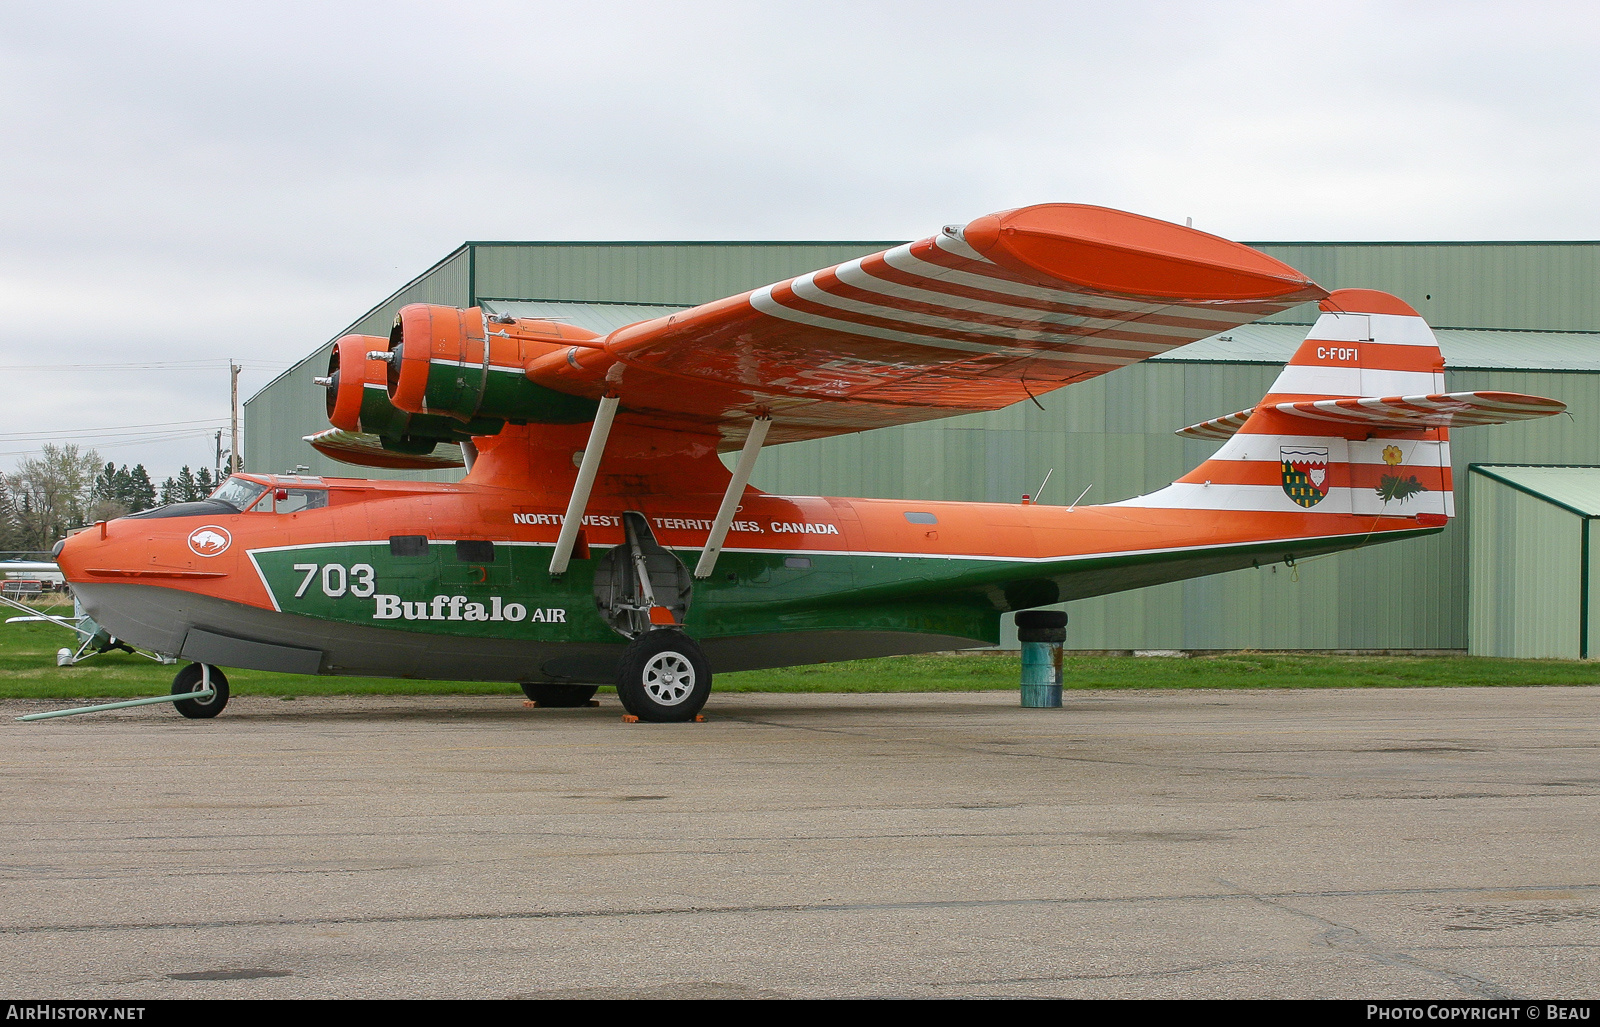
(1357, 424)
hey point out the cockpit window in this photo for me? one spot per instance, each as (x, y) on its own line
(238, 492)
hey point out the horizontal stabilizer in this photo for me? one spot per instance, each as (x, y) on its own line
(367, 451)
(1218, 428)
(1397, 413)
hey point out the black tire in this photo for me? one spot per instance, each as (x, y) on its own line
(663, 677)
(1042, 626)
(192, 679)
(559, 695)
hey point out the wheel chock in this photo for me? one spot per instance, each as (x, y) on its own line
(628, 718)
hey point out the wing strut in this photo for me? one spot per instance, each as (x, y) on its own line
(730, 498)
(581, 488)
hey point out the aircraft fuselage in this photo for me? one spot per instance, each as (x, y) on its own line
(453, 581)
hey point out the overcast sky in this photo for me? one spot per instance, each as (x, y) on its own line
(184, 183)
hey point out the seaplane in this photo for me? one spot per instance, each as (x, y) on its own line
(599, 537)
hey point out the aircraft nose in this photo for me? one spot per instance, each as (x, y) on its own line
(69, 551)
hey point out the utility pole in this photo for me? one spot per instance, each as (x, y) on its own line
(235, 465)
(216, 468)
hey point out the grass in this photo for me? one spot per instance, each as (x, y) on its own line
(1229, 670)
(28, 671)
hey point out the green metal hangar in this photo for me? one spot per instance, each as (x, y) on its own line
(1510, 316)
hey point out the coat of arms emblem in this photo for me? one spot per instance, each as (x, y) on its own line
(1305, 474)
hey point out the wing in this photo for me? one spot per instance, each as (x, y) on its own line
(975, 318)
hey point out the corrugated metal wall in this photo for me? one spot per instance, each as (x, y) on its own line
(678, 273)
(1526, 559)
(1592, 636)
(1549, 286)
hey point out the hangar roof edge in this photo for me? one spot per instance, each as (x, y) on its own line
(1574, 488)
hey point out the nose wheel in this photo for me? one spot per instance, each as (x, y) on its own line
(194, 678)
(663, 677)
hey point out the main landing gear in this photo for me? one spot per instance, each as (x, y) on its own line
(194, 678)
(643, 591)
(664, 677)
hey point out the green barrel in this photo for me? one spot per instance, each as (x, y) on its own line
(1041, 633)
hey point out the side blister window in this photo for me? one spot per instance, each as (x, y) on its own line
(287, 501)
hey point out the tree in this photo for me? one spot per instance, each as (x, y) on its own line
(11, 540)
(187, 487)
(105, 483)
(51, 493)
(141, 490)
(103, 501)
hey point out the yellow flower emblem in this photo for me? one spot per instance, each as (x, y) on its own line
(1391, 455)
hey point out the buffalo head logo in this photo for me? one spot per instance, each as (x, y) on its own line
(209, 540)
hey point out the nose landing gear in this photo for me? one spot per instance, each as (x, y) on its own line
(196, 677)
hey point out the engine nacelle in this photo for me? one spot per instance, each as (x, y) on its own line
(358, 401)
(440, 364)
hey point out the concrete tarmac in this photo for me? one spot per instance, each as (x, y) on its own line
(1420, 843)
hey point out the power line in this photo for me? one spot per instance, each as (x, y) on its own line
(152, 365)
(22, 436)
(142, 441)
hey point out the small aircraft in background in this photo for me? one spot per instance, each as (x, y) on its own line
(93, 640)
(598, 537)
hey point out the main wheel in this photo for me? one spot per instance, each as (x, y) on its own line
(663, 677)
(559, 695)
(192, 679)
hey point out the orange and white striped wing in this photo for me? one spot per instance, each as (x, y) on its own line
(975, 318)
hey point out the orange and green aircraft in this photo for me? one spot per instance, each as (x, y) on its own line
(599, 538)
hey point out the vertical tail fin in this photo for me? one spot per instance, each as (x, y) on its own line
(1365, 344)
(1289, 454)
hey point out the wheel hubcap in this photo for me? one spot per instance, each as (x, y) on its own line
(668, 678)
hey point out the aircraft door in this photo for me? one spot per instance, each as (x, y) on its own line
(638, 575)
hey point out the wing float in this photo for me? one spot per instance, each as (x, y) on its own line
(368, 451)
